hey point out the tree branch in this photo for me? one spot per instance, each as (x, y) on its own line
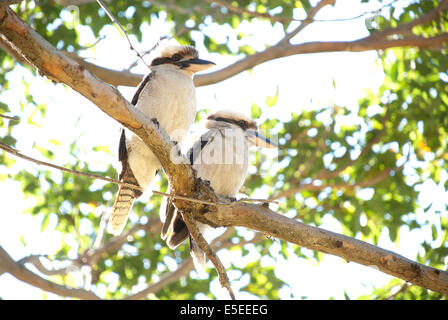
(242, 11)
(35, 261)
(375, 41)
(113, 77)
(309, 19)
(406, 28)
(13, 118)
(92, 256)
(127, 78)
(379, 40)
(220, 242)
(275, 52)
(26, 43)
(122, 29)
(210, 253)
(264, 220)
(18, 270)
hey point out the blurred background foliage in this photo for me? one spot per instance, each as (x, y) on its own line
(364, 166)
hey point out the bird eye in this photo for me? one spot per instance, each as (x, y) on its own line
(242, 124)
(176, 57)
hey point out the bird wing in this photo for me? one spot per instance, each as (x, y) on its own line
(173, 218)
(126, 195)
(122, 150)
(140, 87)
(199, 145)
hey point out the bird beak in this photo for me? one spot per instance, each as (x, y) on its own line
(260, 140)
(196, 65)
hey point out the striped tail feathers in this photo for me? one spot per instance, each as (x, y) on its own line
(122, 206)
(124, 201)
(126, 195)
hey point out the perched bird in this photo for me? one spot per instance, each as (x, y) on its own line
(221, 157)
(168, 94)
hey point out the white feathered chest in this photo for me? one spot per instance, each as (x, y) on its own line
(170, 97)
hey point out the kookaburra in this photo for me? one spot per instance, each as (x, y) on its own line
(221, 157)
(168, 94)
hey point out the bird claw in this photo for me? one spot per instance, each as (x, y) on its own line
(156, 122)
(265, 204)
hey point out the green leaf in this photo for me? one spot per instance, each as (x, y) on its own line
(104, 149)
(55, 142)
(272, 101)
(46, 152)
(255, 111)
(45, 222)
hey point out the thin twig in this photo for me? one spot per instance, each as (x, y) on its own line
(403, 288)
(14, 118)
(211, 203)
(375, 11)
(308, 20)
(43, 163)
(230, 204)
(95, 43)
(175, 36)
(242, 10)
(210, 253)
(91, 256)
(122, 29)
(110, 180)
(144, 53)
